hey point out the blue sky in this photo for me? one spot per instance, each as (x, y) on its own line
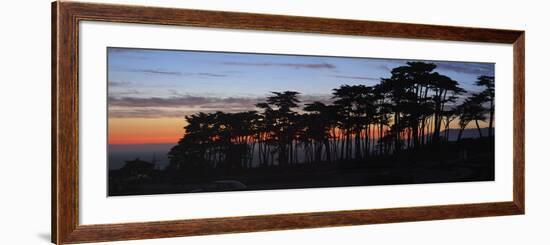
(168, 83)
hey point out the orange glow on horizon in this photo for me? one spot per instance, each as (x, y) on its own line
(170, 130)
(145, 130)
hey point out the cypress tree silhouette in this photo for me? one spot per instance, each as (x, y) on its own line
(488, 95)
(409, 110)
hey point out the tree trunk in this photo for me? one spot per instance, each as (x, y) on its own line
(380, 136)
(491, 117)
(479, 129)
(397, 131)
(327, 150)
(460, 134)
(416, 141)
(343, 145)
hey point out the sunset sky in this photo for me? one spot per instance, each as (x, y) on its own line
(150, 91)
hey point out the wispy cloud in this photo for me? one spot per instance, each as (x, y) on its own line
(177, 73)
(124, 92)
(358, 77)
(160, 112)
(179, 106)
(157, 72)
(469, 68)
(206, 74)
(119, 83)
(146, 113)
(182, 101)
(291, 65)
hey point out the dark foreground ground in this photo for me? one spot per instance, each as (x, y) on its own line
(470, 160)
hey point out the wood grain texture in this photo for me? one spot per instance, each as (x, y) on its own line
(519, 122)
(54, 123)
(234, 20)
(149, 230)
(65, 122)
(65, 110)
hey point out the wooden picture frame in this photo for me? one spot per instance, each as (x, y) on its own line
(65, 121)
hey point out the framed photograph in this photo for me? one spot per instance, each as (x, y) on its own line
(176, 122)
